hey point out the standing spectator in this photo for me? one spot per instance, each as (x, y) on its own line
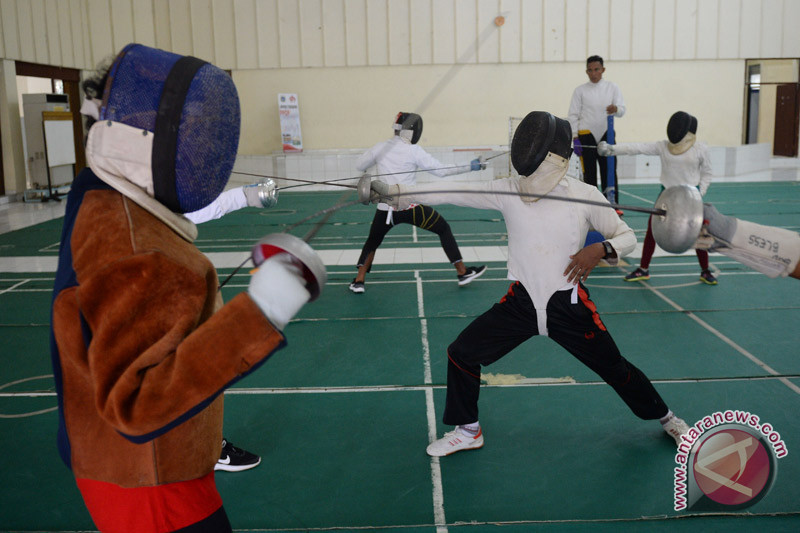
(591, 104)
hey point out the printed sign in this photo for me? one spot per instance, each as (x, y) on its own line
(289, 109)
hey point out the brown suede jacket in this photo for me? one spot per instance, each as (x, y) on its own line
(145, 349)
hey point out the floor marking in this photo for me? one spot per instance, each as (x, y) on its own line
(436, 470)
(27, 395)
(542, 382)
(645, 200)
(15, 286)
(724, 338)
(499, 524)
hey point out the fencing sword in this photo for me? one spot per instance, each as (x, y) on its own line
(676, 222)
(335, 181)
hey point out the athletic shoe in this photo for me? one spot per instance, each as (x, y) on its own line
(471, 274)
(639, 274)
(675, 427)
(708, 278)
(357, 286)
(233, 459)
(455, 441)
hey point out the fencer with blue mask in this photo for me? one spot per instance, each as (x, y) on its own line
(142, 346)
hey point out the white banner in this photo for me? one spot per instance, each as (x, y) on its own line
(289, 110)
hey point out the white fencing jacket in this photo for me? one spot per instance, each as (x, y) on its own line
(541, 235)
(397, 162)
(692, 167)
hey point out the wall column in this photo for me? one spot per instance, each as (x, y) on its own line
(11, 131)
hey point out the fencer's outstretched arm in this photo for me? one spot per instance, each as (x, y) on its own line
(767, 249)
(228, 202)
(605, 149)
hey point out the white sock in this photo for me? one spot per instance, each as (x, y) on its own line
(471, 429)
(666, 418)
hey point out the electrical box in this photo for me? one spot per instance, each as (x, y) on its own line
(48, 132)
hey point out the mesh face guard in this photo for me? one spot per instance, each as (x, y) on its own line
(539, 133)
(679, 125)
(191, 107)
(409, 121)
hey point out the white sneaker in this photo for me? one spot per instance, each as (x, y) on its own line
(357, 286)
(675, 427)
(455, 441)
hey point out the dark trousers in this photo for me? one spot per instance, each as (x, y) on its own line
(421, 216)
(576, 327)
(589, 161)
(217, 522)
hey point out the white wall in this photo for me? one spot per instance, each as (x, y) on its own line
(355, 107)
(370, 58)
(269, 34)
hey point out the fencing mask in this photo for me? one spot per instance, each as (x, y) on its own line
(169, 124)
(540, 152)
(408, 126)
(681, 130)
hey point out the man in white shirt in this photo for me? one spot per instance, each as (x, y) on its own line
(547, 264)
(589, 108)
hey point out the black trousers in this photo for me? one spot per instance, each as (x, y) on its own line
(576, 327)
(590, 159)
(422, 216)
(217, 522)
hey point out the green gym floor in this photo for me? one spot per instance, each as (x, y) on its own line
(341, 416)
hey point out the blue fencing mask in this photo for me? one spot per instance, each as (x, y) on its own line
(182, 111)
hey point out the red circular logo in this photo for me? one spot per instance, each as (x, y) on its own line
(731, 467)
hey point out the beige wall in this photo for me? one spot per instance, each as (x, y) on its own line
(278, 34)
(354, 63)
(470, 104)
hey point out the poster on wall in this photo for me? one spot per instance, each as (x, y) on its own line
(289, 110)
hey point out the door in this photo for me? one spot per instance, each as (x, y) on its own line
(787, 119)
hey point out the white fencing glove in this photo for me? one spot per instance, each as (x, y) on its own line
(279, 289)
(261, 194)
(604, 149)
(767, 249)
(382, 192)
(251, 193)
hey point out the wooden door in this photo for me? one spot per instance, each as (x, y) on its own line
(787, 120)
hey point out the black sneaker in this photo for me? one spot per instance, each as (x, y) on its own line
(639, 274)
(471, 274)
(233, 459)
(357, 286)
(708, 278)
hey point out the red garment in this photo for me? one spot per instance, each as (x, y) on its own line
(158, 509)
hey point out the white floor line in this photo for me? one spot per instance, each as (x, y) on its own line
(366, 389)
(10, 289)
(436, 470)
(645, 200)
(723, 338)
